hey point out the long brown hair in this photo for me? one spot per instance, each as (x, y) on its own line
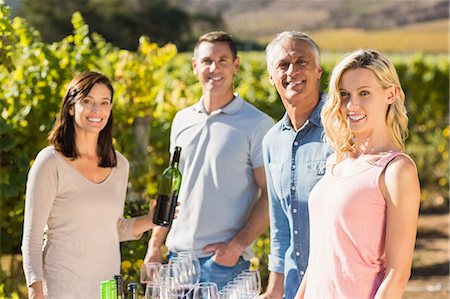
(62, 136)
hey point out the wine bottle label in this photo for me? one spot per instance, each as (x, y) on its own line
(165, 209)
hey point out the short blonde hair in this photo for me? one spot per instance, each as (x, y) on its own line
(336, 130)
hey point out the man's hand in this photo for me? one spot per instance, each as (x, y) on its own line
(269, 295)
(153, 255)
(275, 287)
(225, 254)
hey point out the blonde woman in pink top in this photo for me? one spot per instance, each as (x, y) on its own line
(363, 213)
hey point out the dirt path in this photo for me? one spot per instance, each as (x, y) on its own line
(430, 275)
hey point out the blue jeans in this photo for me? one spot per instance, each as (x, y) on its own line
(221, 275)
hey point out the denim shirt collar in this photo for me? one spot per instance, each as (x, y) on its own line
(314, 118)
(231, 108)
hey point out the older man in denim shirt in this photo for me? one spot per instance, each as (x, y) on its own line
(294, 156)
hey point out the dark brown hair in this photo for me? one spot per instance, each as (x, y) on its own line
(62, 136)
(217, 36)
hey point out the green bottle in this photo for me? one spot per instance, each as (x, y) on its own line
(132, 289)
(112, 289)
(119, 286)
(169, 188)
(105, 290)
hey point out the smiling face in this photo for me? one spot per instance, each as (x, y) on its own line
(364, 102)
(215, 67)
(91, 113)
(295, 73)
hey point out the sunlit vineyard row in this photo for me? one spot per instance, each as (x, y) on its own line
(431, 37)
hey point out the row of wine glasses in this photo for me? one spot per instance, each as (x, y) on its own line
(177, 278)
(168, 290)
(185, 269)
(246, 285)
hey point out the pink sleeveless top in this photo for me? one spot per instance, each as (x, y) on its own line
(347, 232)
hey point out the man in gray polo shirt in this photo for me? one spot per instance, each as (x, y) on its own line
(223, 192)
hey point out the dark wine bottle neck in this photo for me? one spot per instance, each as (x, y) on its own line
(175, 157)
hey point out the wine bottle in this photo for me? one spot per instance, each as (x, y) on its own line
(119, 286)
(132, 289)
(169, 187)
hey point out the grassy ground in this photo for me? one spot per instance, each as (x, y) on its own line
(430, 275)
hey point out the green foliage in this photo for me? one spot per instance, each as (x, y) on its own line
(151, 85)
(425, 81)
(120, 22)
(31, 88)
(7, 39)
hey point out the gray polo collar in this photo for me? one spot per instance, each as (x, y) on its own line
(231, 108)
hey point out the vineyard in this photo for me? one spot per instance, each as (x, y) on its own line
(151, 85)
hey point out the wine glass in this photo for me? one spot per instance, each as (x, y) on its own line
(149, 272)
(162, 288)
(183, 269)
(242, 287)
(254, 281)
(184, 279)
(231, 291)
(206, 290)
(170, 270)
(226, 293)
(193, 266)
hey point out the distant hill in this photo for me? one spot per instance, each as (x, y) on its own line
(338, 25)
(263, 18)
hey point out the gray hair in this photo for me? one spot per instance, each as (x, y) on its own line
(295, 35)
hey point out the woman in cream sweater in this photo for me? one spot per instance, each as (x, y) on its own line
(75, 199)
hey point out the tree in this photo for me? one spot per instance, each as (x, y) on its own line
(120, 22)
